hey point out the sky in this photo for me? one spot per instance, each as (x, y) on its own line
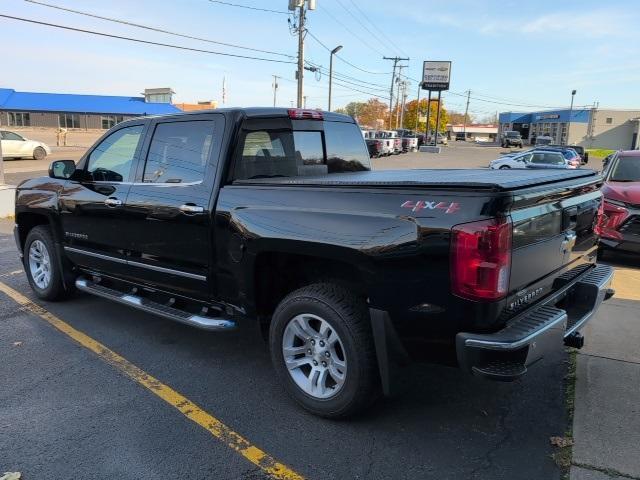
(511, 55)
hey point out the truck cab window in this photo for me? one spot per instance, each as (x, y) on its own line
(287, 153)
(112, 159)
(280, 153)
(179, 152)
(346, 149)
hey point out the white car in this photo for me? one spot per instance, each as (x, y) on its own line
(530, 159)
(16, 146)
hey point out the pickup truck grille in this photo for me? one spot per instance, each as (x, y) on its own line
(631, 226)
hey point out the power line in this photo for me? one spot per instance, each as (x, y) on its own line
(156, 29)
(351, 32)
(339, 74)
(148, 42)
(249, 7)
(344, 60)
(377, 28)
(362, 24)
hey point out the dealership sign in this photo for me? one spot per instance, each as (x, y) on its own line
(436, 75)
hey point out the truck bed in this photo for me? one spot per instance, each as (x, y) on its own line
(484, 179)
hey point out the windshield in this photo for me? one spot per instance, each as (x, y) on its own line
(627, 169)
(513, 134)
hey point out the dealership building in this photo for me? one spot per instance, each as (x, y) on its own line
(81, 112)
(591, 127)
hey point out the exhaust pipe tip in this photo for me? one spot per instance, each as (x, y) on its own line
(610, 293)
(575, 340)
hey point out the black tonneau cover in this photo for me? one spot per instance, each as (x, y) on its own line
(485, 179)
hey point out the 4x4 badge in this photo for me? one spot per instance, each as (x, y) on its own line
(448, 207)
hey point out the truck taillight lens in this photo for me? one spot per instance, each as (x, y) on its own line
(302, 114)
(481, 259)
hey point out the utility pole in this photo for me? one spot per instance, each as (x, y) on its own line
(393, 77)
(466, 111)
(300, 54)
(275, 88)
(404, 101)
(304, 103)
(399, 82)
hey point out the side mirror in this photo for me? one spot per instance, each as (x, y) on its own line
(62, 169)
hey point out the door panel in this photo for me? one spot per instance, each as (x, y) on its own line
(170, 206)
(92, 202)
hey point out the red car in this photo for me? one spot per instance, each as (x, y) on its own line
(619, 226)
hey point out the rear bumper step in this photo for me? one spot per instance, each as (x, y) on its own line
(141, 303)
(506, 354)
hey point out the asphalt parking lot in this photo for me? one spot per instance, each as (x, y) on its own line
(69, 410)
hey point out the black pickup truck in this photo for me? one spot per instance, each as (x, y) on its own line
(273, 216)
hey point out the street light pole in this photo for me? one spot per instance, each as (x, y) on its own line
(333, 52)
(573, 94)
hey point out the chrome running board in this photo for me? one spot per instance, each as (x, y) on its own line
(147, 305)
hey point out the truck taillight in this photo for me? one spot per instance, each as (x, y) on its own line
(302, 114)
(481, 259)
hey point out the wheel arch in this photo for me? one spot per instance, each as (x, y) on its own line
(277, 273)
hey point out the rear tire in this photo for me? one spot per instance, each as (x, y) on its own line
(39, 153)
(42, 265)
(328, 328)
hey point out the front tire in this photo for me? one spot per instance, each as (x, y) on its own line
(42, 265)
(322, 350)
(505, 167)
(39, 153)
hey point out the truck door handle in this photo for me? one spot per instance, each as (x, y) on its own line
(189, 208)
(112, 202)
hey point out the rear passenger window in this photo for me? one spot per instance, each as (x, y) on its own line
(292, 153)
(346, 149)
(179, 152)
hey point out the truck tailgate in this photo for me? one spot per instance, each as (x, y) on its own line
(553, 233)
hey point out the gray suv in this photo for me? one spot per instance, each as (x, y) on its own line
(511, 139)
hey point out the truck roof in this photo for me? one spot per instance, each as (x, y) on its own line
(482, 179)
(262, 112)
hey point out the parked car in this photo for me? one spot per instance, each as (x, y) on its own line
(531, 159)
(409, 140)
(460, 137)
(375, 146)
(272, 216)
(511, 138)
(584, 155)
(569, 153)
(544, 140)
(17, 146)
(620, 222)
(388, 142)
(442, 139)
(397, 141)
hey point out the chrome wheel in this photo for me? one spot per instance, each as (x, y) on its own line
(39, 264)
(314, 355)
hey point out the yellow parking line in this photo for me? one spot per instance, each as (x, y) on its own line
(626, 282)
(190, 410)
